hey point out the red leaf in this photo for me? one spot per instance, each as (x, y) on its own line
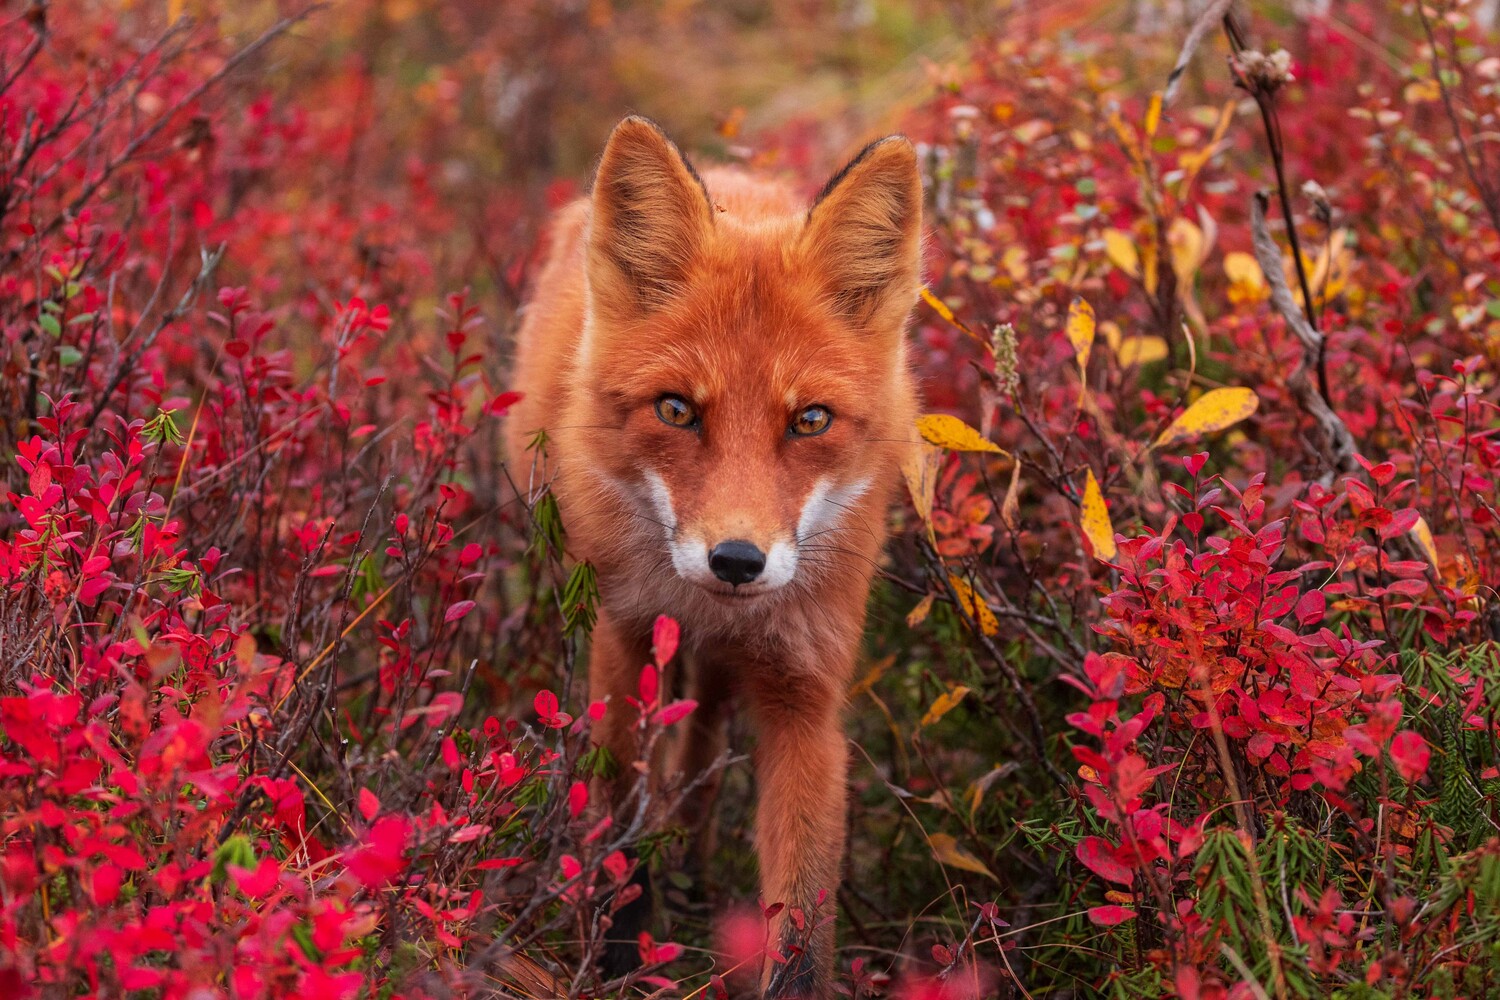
(259, 883)
(369, 804)
(650, 686)
(1098, 855)
(664, 638)
(578, 798)
(1108, 916)
(1410, 754)
(457, 611)
(675, 712)
(1310, 608)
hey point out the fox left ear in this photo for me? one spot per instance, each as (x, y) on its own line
(864, 235)
(650, 215)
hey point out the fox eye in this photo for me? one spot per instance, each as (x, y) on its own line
(810, 422)
(677, 411)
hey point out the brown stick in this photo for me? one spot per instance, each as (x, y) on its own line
(1336, 441)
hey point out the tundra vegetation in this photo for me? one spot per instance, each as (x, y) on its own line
(1183, 674)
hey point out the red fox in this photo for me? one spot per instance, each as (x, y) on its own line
(722, 378)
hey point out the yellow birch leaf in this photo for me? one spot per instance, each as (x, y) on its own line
(918, 614)
(1153, 115)
(944, 704)
(1422, 535)
(1081, 335)
(955, 435)
(1120, 249)
(947, 851)
(920, 470)
(974, 606)
(1095, 521)
(1141, 350)
(1212, 411)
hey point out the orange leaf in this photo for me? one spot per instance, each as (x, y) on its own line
(944, 704)
(947, 851)
(974, 605)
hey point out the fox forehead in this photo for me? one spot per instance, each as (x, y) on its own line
(756, 327)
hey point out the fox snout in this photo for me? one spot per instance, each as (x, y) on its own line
(736, 561)
(750, 554)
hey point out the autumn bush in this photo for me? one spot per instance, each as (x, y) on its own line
(1184, 674)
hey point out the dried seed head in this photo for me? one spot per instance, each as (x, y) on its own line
(1267, 73)
(1003, 347)
(1322, 207)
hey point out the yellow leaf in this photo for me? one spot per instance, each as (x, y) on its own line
(1422, 535)
(1120, 249)
(1013, 261)
(1153, 115)
(955, 435)
(947, 851)
(944, 704)
(1112, 334)
(1081, 335)
(1420, 91)
(918, 614)
(1246, 281)
(974, 606)
(1141, 350)
(1189, 246)
(1212, 411)
(920, 470)
(1095, 521)
(939, 306)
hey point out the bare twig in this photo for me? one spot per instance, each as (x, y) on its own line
(1212, 14)
(1337, 443)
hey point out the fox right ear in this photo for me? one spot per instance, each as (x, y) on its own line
(650, 215)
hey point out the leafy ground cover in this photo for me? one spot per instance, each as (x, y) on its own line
(1182, 677)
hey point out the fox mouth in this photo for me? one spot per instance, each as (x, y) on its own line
(734, 594)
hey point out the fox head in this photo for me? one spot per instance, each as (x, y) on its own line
(743, 356)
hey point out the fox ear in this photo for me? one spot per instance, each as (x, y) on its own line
(864, 235)
(650, 215)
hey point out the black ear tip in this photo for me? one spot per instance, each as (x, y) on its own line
(893, 152)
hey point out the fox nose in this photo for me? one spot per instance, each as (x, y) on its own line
(736, 562)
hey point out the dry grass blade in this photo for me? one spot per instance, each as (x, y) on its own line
(1207, 21)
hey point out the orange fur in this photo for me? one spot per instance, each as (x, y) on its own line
(730, 293)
